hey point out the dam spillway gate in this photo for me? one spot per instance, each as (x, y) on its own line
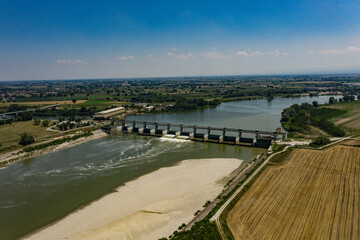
(244, 137)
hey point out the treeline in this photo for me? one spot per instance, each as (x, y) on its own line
(293, 119)
(202, 230)
(264, 93)
(154, 98)
(58, 97)
(25, 116)
(65, 112)
(57, 142)
(192, 104)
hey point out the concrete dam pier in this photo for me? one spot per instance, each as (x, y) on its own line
(253, 138)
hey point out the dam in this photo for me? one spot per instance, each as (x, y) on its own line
(252, 138)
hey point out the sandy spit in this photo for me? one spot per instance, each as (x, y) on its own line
(150, 207)
(12, 157)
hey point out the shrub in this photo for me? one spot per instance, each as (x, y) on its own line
(37, 121)
(320, 141)
(331, 100)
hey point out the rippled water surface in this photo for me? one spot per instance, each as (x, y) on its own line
(40, 190)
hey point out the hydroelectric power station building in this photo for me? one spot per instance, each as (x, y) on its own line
(109, 113)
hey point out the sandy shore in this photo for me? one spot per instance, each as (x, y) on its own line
(12, 157)
(150, 207)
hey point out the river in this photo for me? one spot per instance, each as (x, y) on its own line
(38, 191)
(253, 114)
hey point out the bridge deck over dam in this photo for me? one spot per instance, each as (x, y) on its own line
(235, 136)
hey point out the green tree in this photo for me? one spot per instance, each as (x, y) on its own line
(37, 121)
(331, 100)
(74, 101)
(26, 139)
(45, 123)
(348, 98)
(315, 103)
(320, 141)
(25, 116)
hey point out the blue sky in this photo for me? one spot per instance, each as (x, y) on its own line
(109, 39)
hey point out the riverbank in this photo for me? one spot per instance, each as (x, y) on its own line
(150, 207)
(12, 157)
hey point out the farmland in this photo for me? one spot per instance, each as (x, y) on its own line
(313, 195)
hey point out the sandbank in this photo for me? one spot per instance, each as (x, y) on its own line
(150, 207)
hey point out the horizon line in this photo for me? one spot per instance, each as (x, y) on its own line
(188, 76)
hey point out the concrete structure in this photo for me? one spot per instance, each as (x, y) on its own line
(109, 113)
(209, 134)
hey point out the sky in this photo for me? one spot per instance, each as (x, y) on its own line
(74, 39)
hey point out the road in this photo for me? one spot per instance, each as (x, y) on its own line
(241, 175)
(218, 213)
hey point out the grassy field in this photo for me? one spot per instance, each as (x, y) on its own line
(10, 134)
(313, 195)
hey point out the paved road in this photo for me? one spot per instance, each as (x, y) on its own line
(218, 213)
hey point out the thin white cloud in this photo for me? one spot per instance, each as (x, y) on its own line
(172, 49)
(185, 56)
(214, 55)
(242, 53)
(330, 51)
(171, 54)
(125, 58)
(70, 61)
(353, 49)
(349, 49)
(250, 53)
(150, 56)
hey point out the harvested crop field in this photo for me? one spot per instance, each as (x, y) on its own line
(313, 195)
(354, 123)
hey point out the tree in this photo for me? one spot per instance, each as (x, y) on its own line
(26, 139)
(37, 121)
(315, 103)
(331, 100)
(45, 123)
(16, 107)
(74, 101)
(358, 97)
(348, 98)
(25, 116)
(321, 141)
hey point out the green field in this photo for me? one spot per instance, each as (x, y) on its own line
(10, 134)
